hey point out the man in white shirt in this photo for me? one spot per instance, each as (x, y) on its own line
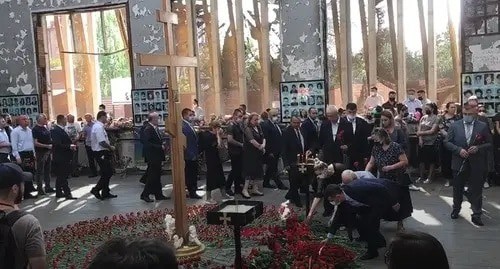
(23, 150)
(103, 153)
(374, 99)
(411, 102)
(5, 147)
(74, 130)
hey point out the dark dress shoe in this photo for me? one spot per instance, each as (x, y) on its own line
(369, 256)
(108, 196)
(49, 190)
(282, 187)
(41, 192)
(161, 198)
(96, 193)
(60, 195)
(142, 180)
(269, 186)
(146, 199)
(230, 192)
(477, 221)
(70, 197)
(194, 196)
(454, 214)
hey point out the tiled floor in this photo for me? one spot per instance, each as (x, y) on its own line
(467, 246)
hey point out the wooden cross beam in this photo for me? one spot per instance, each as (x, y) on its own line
(174, 125)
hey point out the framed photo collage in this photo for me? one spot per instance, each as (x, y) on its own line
(146, 100)
(486, 87)
(297, 97)
(21, 105)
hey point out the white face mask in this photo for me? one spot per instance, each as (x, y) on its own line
(411, 97)
(191, 118)
(374, 93)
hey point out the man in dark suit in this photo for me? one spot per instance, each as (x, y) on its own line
(469, 141)
(358, 148)
(310, 129)
(190, 153)
(154, 153)
(273, 135)
(144, 177)
(370, 200)
(294, 143)
(62, 153)
(334, 139)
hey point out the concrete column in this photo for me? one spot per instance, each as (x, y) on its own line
(346, 51)
(301, 40)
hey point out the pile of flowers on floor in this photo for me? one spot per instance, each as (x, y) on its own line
(269, 242)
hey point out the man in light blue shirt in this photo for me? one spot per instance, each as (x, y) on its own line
(348, 176)
(412, 103)
(23, 150)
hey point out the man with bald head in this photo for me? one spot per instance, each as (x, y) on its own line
(334, 137)
(154, 153)
(74, 130)
(348, 176)
(87, 132)
(273, 135)
(23, 150)
(43, 148)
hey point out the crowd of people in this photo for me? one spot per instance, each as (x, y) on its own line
(378, 149)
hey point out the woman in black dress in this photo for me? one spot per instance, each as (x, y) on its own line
(253, 152)
(209, 143)
(390, 161)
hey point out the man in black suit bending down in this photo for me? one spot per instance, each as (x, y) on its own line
(294, 143)
(154, 153)
(370, 200)
(63, 149)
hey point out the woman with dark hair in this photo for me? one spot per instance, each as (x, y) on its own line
(427, 133)
(390, 161)
(449, 117)
(396, 133)
(387, 157)
(254, 147)
(209, 143)
(416, 250)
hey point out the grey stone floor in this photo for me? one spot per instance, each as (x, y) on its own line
(467, 246)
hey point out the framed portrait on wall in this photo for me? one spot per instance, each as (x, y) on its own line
(17, 105)
(485, 86)
(145, 101)
(296, 97)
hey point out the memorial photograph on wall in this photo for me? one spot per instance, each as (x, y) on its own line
(145, 101)
(21, 105)
(486, 87)
(298, 96)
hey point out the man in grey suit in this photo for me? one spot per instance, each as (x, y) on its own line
(469, 140)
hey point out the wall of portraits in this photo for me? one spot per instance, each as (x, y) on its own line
(298, 96)
(145, 101)
(486, 87)
(21, 105)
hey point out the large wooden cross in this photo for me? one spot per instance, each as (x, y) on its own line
(174, 123)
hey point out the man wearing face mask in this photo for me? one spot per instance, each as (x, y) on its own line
(190, 153)
(358, 149)
(235, 147)
(371, 200)
(411, 102)
(391, 103)
(374, 99)
(469, 140)
(273, 135)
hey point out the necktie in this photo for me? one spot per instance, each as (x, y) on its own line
(277, 127)
(300, 139)
(468, 132)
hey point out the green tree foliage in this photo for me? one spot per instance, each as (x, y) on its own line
(117, 64)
